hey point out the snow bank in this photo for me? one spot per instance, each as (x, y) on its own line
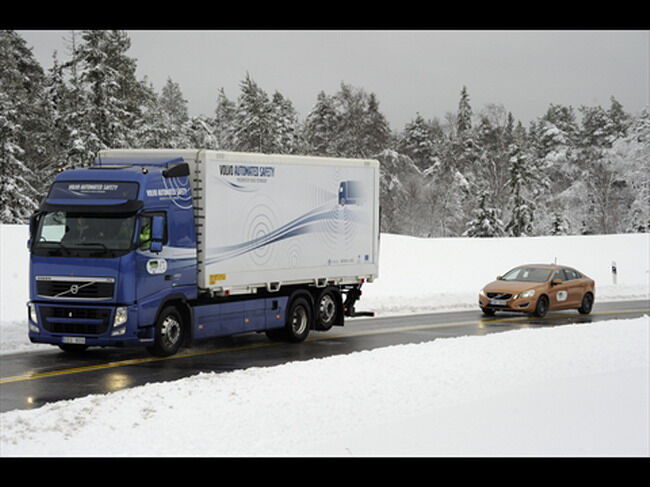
(578, 390)
(416, 275)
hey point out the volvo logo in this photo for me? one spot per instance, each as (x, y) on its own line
(74, 289)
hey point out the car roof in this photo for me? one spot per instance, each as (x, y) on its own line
(548, 266)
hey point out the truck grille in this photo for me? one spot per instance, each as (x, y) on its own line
(89, 288)
(87, 321)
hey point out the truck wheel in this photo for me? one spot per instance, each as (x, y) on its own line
(327, 308)
(169, 333)
(587, 304)
(299, 320)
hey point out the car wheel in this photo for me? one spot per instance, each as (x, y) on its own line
(542, 307)
(587, 304)
(488, 311)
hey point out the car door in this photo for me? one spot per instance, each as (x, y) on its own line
(575, 287)
(559, 298)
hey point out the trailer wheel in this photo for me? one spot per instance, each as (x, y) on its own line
(327, 307)
(169, 333)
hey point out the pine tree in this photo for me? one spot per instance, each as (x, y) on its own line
(559, 225)
(283, 125)
(252, 118)
(523, 208)
(115, 96)
(18, 198)
(224, 117)
(321, 126)
(464, 118)
(376, 131)
(486, 221)
(417, 142)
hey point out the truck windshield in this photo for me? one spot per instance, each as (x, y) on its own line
(73, 233)
(529, 274)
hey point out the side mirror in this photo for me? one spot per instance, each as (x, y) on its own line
(499, 278)
(33, 224)
(556, 281)
(157, 233)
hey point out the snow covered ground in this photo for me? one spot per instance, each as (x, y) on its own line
(579, 390)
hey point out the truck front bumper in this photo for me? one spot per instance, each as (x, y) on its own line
(89, 325)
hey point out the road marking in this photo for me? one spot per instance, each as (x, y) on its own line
(124, 363)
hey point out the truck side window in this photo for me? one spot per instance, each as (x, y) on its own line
(144, 237)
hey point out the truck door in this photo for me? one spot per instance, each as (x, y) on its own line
(152, 279)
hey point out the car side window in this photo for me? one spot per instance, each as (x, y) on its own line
(568, 275)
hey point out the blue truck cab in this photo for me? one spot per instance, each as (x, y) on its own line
(110, 246)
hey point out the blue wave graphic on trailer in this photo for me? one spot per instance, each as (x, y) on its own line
(303, 224)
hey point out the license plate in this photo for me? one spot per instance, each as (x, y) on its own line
(498, 302)
(75, 340)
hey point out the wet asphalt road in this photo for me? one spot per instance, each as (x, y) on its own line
(30, 380)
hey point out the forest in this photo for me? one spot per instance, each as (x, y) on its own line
(476, 172)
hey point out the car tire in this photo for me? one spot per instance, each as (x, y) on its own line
(587, 304)
(488, 311)
(541, 308)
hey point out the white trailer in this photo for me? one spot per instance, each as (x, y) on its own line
(267, 221)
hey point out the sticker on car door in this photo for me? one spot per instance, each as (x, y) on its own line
(562, 295)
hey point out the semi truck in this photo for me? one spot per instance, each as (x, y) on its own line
(161, 248)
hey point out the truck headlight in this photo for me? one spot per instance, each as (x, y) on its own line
(121, 315)
(527, 294)
(33, 315)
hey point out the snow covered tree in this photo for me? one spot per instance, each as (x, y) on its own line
(321, 126)
(252, 118)
(417, 142)
(284, 125)
(560, 225)
(522, 206)
(18, 198)
(22, 81)
(224, 117)
(486, 221)
(115, 97)
(464, 118)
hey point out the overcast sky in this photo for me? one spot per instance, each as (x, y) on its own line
(409, 71)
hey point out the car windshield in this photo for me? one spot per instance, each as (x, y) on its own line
(528, 274)
(73, 230)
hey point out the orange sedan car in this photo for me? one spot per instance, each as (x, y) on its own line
(538, 288)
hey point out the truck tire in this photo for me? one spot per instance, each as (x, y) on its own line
(327, 308)
(169, 333)
(299, 319)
